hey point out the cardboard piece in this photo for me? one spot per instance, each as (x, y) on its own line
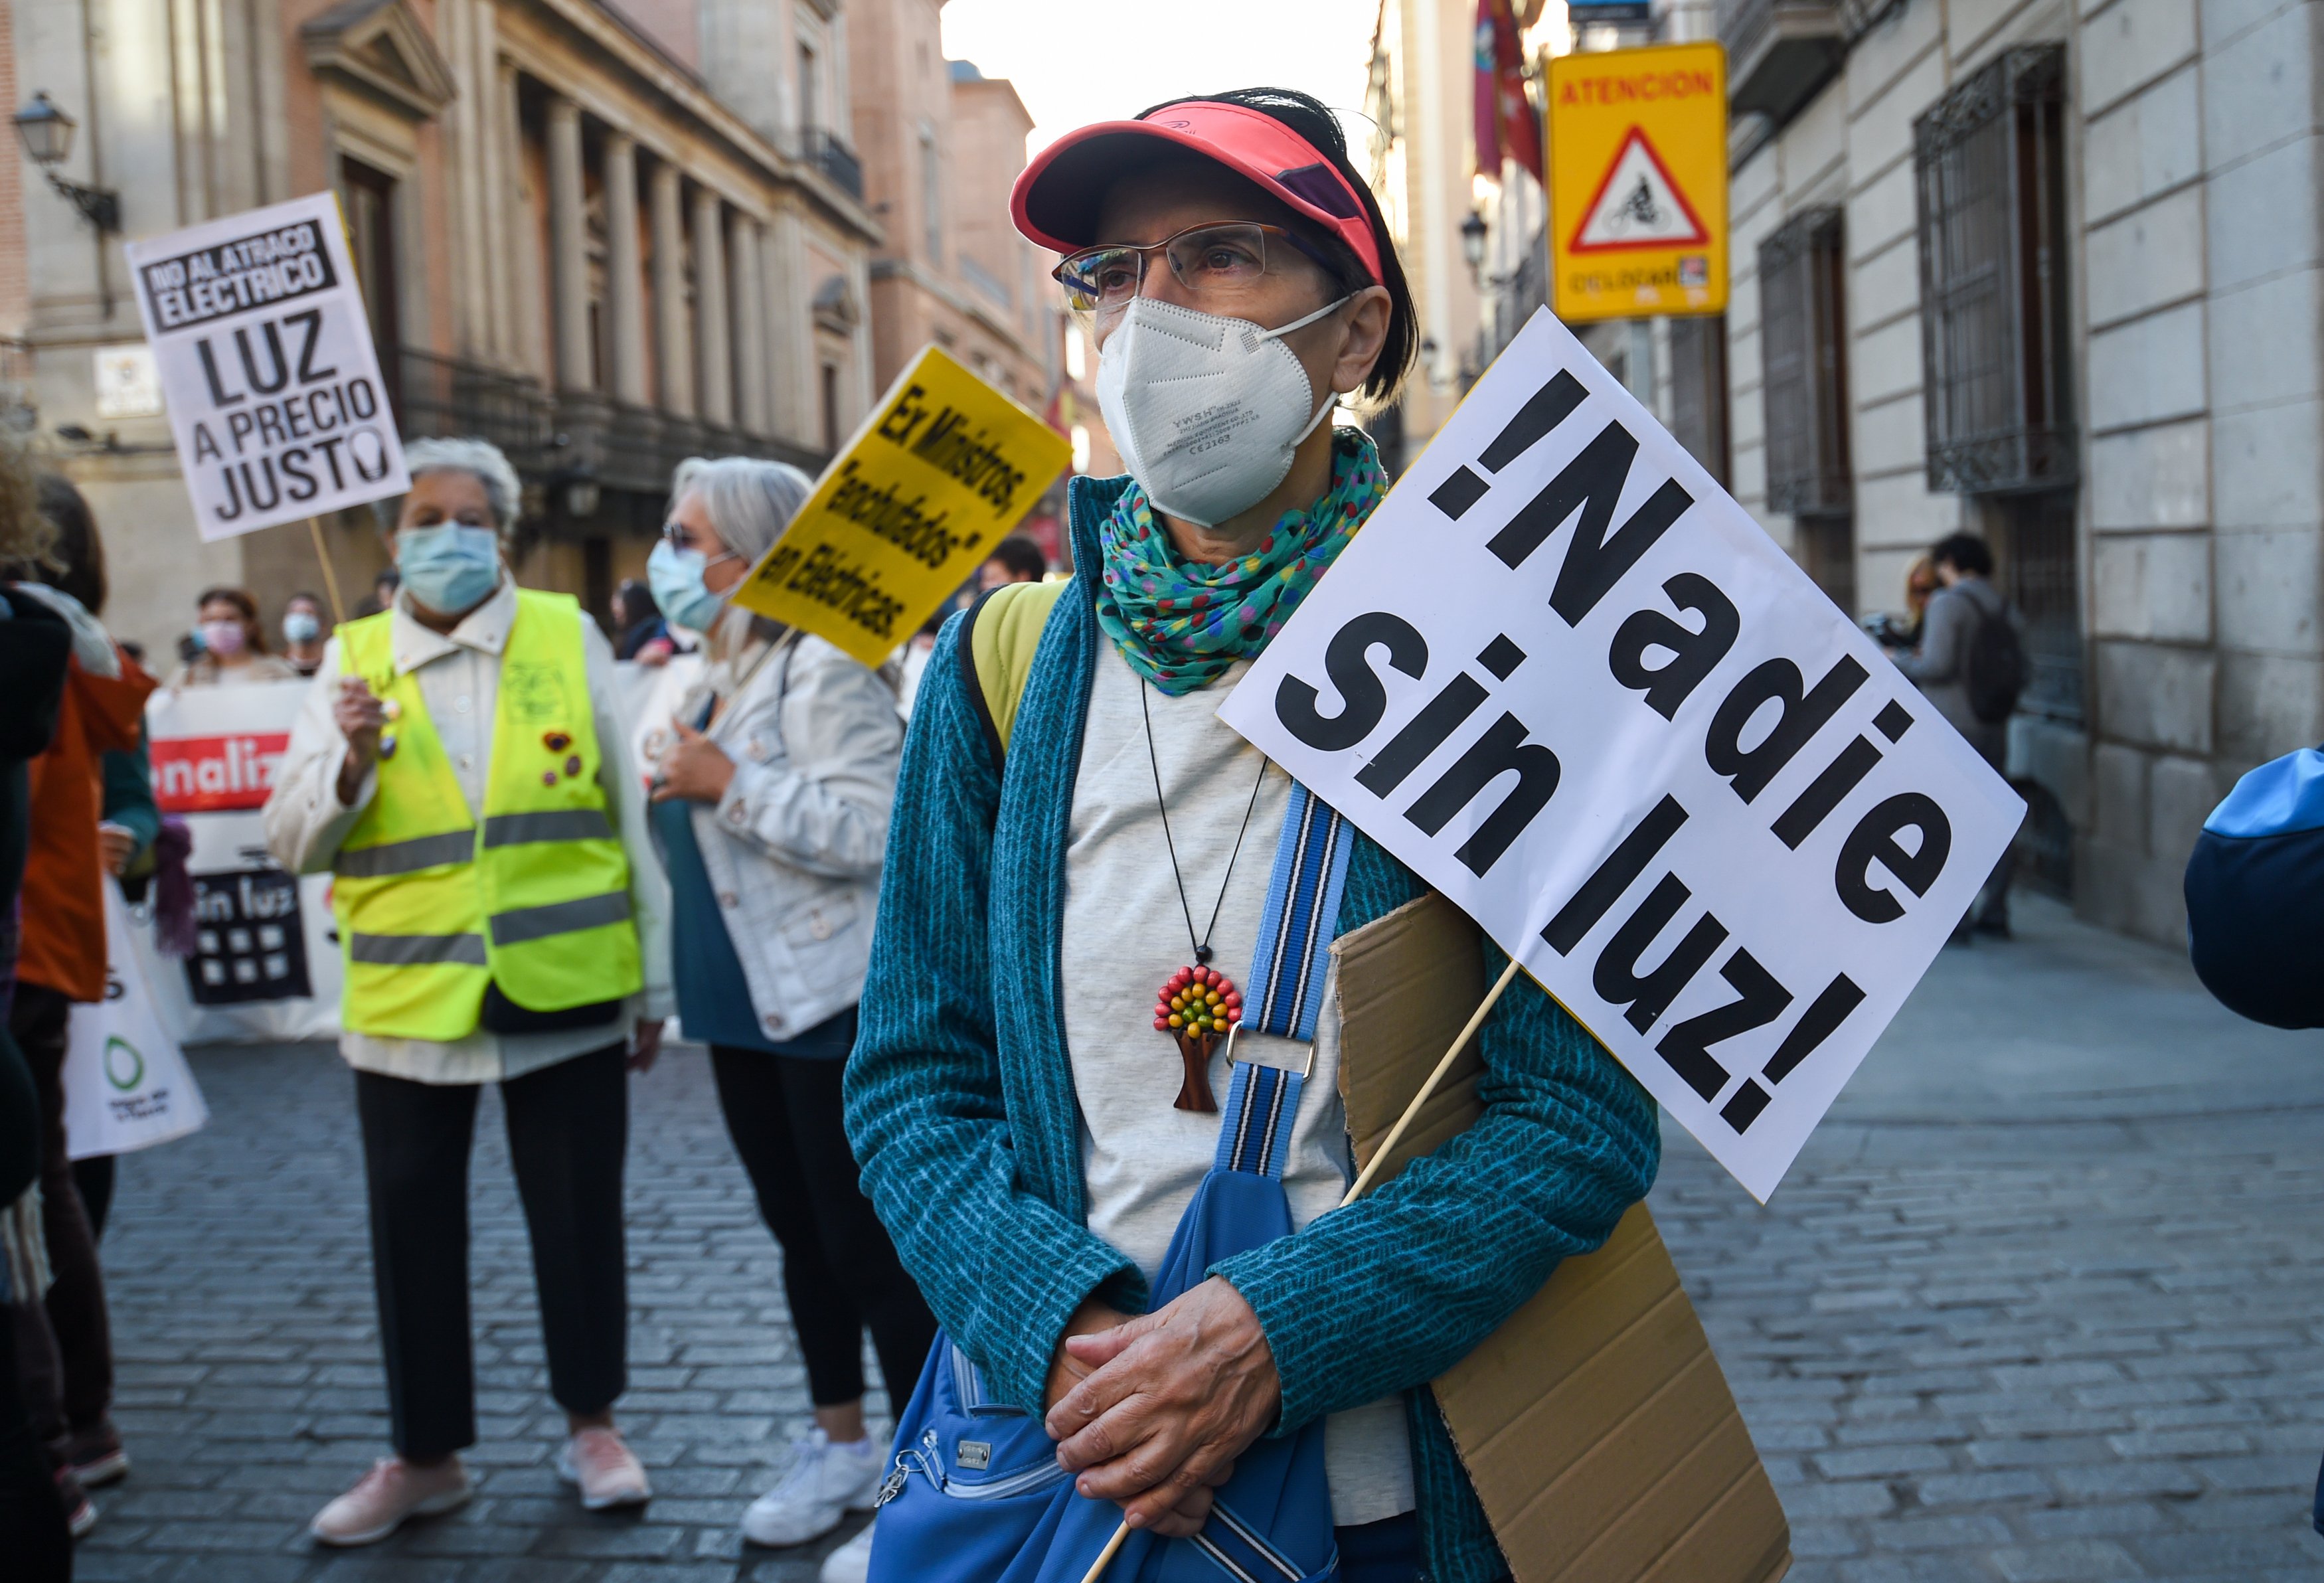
(1595, 1424)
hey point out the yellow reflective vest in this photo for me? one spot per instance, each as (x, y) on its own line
(433, 905)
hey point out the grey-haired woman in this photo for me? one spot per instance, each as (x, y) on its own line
(770, 806)
(462, 770)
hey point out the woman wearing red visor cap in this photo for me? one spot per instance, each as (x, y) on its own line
(1101, 1020)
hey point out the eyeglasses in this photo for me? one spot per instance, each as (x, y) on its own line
(678, 536)
(1218, 264)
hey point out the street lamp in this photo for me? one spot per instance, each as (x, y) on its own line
(46, 133)
(1473, 241)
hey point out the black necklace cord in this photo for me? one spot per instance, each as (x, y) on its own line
(1202, 946)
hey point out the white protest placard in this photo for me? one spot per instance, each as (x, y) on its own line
(266, 964)
(1577, 689)
(267, 367)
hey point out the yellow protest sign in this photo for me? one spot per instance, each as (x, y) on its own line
(941, 470)
(1638, 181)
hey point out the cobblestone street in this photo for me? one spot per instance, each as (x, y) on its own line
(2040, 1303)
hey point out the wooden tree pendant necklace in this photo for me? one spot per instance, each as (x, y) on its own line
(1198, 1004)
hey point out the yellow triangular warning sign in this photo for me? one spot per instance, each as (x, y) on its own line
(1637, 204)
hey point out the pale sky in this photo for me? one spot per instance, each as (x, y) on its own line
(1075, 63)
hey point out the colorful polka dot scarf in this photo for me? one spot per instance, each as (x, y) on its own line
(1179, 624)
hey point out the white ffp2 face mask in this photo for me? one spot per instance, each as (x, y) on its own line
(1206, 411)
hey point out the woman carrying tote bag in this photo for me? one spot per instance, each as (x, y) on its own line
(1075, 1166)
(770, 809)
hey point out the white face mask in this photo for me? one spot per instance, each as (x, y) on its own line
(1207, 411)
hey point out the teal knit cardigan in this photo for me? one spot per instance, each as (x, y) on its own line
(961, 1106)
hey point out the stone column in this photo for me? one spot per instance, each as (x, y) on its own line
(713, 347)
(673, 335)
(625, 291)
(498, 337)
(789, 340)
(519, 234)
(749, 326)
(568, 247)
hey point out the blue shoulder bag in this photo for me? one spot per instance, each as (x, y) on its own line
(975, 1494)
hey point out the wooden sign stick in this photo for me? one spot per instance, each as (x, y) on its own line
(330, 578)
(1380, 1158)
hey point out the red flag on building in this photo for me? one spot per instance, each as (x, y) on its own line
(1506, 125)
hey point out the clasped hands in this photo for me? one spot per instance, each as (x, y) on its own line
(1150, 1412)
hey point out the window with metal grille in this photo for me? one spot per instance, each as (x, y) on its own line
(1697, 361)
(1990, 164)
(1803, 293)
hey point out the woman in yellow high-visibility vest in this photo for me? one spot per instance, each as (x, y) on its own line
(462, 771)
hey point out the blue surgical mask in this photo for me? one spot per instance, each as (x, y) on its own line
(675, 575)
(451, 569)
(301, 627)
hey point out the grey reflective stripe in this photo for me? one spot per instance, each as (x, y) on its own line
(559, 918)
(405, 856)
(558, 825)
(417, 950)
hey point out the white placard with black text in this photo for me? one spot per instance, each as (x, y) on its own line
(266, 364)
(1577, 689)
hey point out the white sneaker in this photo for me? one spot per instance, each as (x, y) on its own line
(852, 1561)
(826, 1482)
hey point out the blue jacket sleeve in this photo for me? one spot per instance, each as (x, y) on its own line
(128, 777)
(1002, 1268)
(1391, 1291)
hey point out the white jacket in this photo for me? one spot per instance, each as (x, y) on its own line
(794, 848)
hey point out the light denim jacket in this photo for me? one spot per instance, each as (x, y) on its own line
(793, 849)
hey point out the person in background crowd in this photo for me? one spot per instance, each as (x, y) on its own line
(1920, 583)
(1939, 664)
(771, 814)
(1007, 1098)
(1015, 559)
(462, 769)
(302, 632)
(639, 633)
(381, 595)
(35, 651)
(61, 961)
(234, 644)
(128, 820)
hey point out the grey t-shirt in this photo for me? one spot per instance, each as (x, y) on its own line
(1124, 934)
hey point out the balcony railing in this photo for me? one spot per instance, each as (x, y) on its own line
(447, 397)
(637, 448)
(835, 159)
(573, 437)
(1779, 52)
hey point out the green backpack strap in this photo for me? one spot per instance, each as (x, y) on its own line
(1001, 633)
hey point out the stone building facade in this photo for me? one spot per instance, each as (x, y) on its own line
(2050, 273)
(571, 239)
(942, 146)
(1421, 159)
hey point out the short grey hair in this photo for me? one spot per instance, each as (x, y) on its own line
(750, 501)
(480, 459)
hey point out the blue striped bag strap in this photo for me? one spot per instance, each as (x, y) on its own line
(1286, 988)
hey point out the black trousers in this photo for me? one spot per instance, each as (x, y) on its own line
(840, 1271)
(568, 1127)
(75, 1303)
(32, 1533)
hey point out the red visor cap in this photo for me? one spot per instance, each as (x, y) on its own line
(1057, 198)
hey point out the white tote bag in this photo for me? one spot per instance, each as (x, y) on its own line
(126, 1082)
